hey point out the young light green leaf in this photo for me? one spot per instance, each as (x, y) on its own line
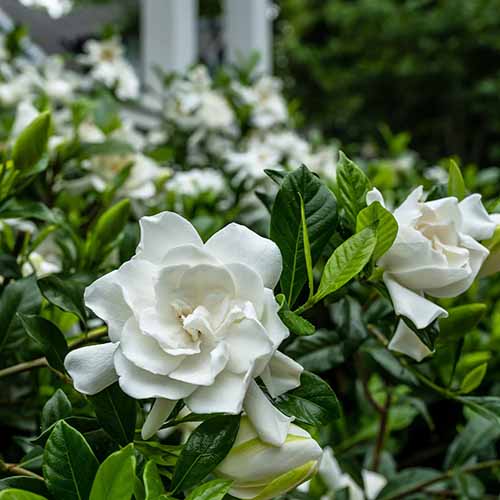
(69, 464)
(313, 403)
(153, 485)
(460, 321)
(32, 142)
(212, 490)
(293, 321)
(48, 336)
(320, 213)
(474, 378)
(386, 224)
(115, 477)
(56, 408)
(307, 248)
(16, 494)
(116, 413)
(346, 262)
(456, 183)
(64, 293)
(352, 186)
(206, 447)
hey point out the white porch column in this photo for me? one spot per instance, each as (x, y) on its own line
(169, 36)
(248, 28)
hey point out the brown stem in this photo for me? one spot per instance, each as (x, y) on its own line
(19, 471)
(39, 362)
(382, 431)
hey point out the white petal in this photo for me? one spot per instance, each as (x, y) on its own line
(91, 367)
(145, 352)
(159, 413)
(236, 243)
(162, 232)
(374, 195)
(430, 278)
(105, 298)
(476, 221)
(271, 321)
(202, 368)
(249, 285)
(373, 482)
(271, 425)
(225, 395)
(247, 341)
(406, 341)
(141, 384)
(136, 278)
(421, 311)
(190, 255)
(282, 374)
(477, 255)
(411, 208)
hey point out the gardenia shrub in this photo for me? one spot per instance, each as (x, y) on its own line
(207, 302)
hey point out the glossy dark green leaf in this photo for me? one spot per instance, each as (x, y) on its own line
(206, 447)
(56, 408)
(486, 406)
(20, 296)
(153, 484)
(48, 336)
(115, 478)
(352, 186)
(408, 480)
(69, 464)
(460, 321)
(320, 212)
(116, 413)
(65, 293)
(212, 490)
(314, 402)
(32, 142)
(26, 483)
(27, 210)
(82, 424)
(346, 262)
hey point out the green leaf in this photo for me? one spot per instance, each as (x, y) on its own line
(387, 227)
(152, 481)
(69, 464)
(206, 447)
(346, 262)
(14, 208)
(82, 424)
(293, 321)
(212, 490)
(460, 321)
(320, 213)
(456, 183)
(55, 409)
(352, 186)
(115, 477)
(108, 228)
(15, 494)
(32, 142)
(64, 293)
(476, 435)
(474, 378)
(313, 403)
(307, 248)
(485, 406)
(26, 483)
(116, 413)
(406, 480)
(20, 296)
(50, 338)
(109, 147)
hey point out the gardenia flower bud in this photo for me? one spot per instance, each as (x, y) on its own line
(260, 471)
(193, 321)
(436, 253)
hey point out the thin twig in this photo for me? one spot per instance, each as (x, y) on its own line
(39, 362)
(382, 432)
(18, 470)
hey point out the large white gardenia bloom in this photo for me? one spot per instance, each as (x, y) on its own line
(335, 479)
(259, 471)
(436, 253)
(193, 321)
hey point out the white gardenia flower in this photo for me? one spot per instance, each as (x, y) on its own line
(196, 182)
(436, 253)
(290, 146)
(45, 260)
(323, 162)
(193, 321)
(59, 83)
(260, 471)
(55, 8)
